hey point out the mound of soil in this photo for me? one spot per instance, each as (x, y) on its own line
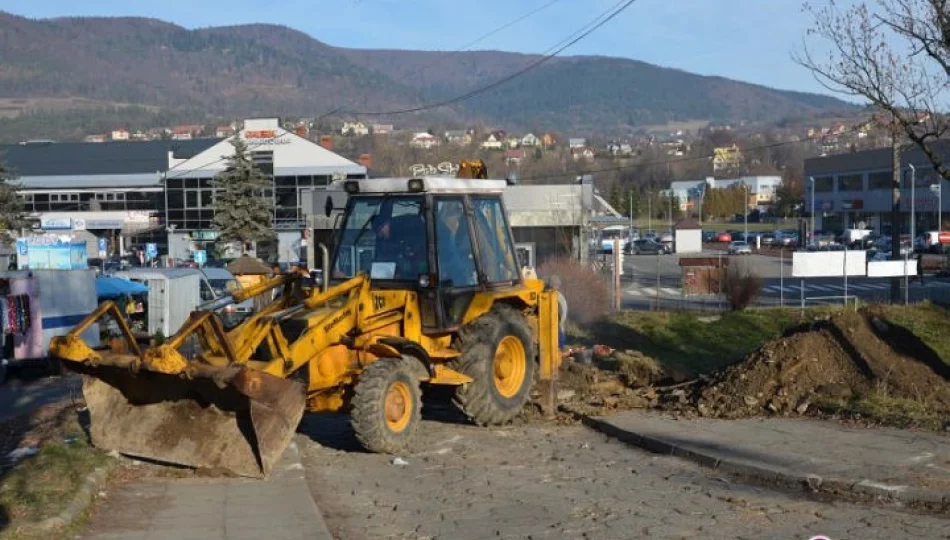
(845, 358)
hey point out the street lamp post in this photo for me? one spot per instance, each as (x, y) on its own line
(913, 204)
(811, 179)
(745, 210)
(937, 190)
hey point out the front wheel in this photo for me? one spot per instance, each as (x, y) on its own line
(498, 353)
(387, 405)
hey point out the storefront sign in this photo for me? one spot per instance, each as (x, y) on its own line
(205, 235)
(265, 137)
(444, 168)
(56, 224)
(103, 224)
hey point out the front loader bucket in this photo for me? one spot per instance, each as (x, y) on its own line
(240, 424)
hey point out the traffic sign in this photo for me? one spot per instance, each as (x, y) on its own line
(201, 257)
(103, 248)
(151, 251)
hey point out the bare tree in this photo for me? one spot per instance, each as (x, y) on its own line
(896, 55)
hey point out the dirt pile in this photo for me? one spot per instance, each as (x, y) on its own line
(851, 358)
(601, 380)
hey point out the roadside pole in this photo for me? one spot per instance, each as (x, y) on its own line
(658, 281)
(617, 271)
(846, 276)
(781, 279)
(803, 297)
(906, 282)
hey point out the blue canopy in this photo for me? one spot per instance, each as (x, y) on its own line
(111, 287)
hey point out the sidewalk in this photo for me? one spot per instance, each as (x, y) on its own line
(856, 463)
(279, 508)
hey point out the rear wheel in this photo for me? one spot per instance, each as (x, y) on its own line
(498, 353)
(387, 405)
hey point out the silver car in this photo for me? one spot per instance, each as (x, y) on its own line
(740, 248)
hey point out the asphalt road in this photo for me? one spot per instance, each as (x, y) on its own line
(547, 481)
(651, 280)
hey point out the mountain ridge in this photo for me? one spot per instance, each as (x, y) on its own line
(264, 69)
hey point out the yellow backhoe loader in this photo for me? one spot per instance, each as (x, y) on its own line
(421, 286)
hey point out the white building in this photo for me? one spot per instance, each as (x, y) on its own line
(293, 162)
(120, 135)
(354, 129)
(492, 143)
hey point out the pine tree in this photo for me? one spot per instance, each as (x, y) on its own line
(13, 218)
(241, 212)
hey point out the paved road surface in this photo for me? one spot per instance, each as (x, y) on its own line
(560, 482)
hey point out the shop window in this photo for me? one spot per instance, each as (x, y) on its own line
(881, 180)
(207, 198)
(824, 184)
(191, 199)
(205, 183)
(191, 183)
(851, 182)
(285, 181)
(176, 199)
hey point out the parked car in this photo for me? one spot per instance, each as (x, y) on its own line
(740, 247)
(221, 283)
(649, 246)
(724, 238)
(710, 236)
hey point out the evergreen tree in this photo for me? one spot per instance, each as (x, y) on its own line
(241, 212)
(13, 218)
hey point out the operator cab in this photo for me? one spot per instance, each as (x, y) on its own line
(445, 238)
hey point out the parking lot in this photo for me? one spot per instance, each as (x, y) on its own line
(652, 281)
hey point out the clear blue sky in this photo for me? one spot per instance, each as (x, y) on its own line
(749, 40)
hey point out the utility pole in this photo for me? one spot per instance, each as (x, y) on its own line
(745, 211)
(670, 196)
(811, 179)
(630, 199)
(913, 203)
(650, 212)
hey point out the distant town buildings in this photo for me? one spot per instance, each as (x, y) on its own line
(727, 158)
(423, 140)
(354, 129)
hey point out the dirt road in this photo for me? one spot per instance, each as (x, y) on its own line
(546, 481)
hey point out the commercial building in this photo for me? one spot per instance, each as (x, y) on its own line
(161, 192)
(108, 190)
(548, 221)
(293, 163)
(762, 189)
(856, 188)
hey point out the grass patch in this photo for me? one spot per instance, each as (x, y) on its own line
(689, 343)
(41, 486)
(929, 322)
(879, 407)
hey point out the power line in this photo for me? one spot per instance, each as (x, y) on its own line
(574, 38)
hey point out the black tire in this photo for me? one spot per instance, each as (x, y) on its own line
(482, 400)
(376, 385)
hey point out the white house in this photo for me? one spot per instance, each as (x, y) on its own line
(577, 142)
(492, 143)
(512, 141)
(120, 135)
(586, 153)
(530, 140)
(423, 140)
(354, 129)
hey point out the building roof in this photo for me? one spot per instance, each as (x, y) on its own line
(88, 159)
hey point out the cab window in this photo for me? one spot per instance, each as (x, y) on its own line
(496, 252)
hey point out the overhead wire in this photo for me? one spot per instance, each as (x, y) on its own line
(550, 54)
(573, 39)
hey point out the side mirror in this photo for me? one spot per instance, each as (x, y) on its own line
(328, 207)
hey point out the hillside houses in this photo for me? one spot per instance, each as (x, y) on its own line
(492, 143)
(354, 129)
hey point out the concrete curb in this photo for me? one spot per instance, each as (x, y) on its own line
(318, 530)
(850, 489)
(81, 501)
